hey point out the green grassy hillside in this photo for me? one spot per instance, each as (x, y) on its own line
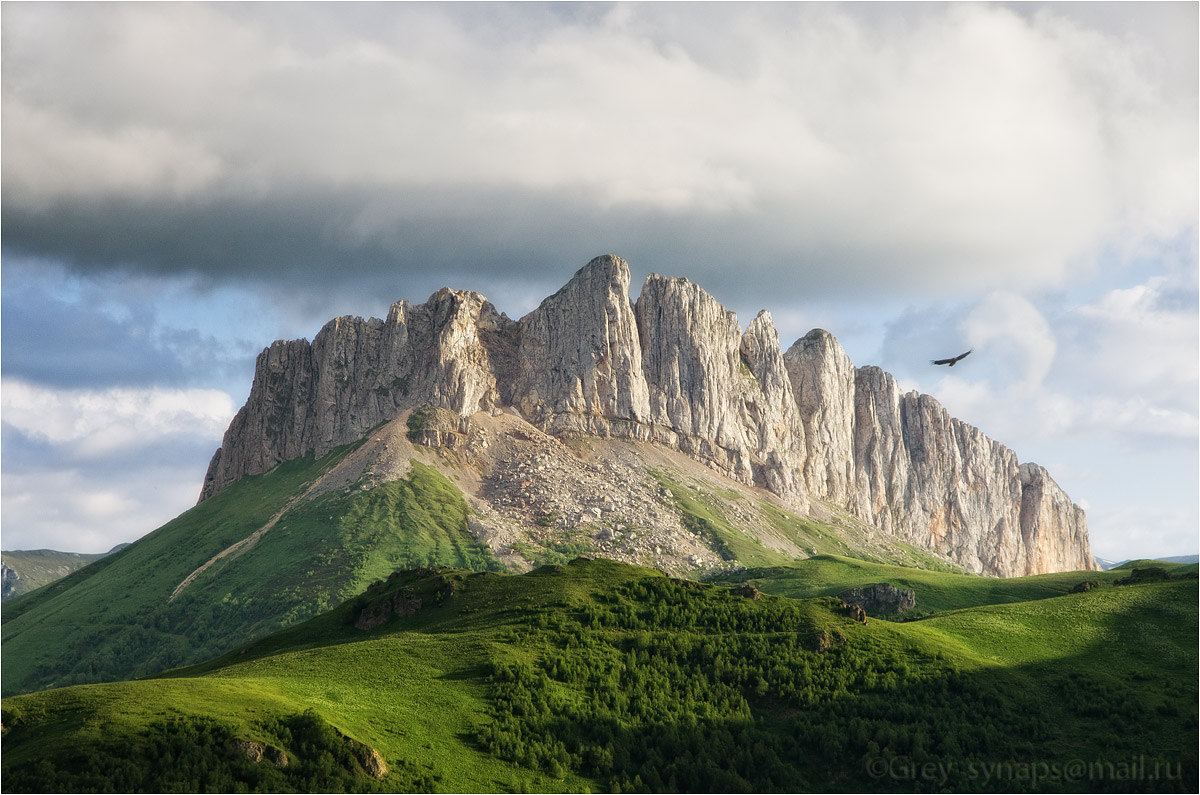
(125, 615)
(936, 591)
(608, 677)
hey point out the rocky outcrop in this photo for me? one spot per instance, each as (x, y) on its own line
(747, 591)
(881, 599)
(9, 580)
(673, 368)
(855, 612)
(372, 762)
(401, 603)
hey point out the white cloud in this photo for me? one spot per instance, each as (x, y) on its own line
(63, 161)
(93, 510)
(93, 424)
(107, 465)
(1137, 342)
(1142, 531)
(1016, 339)
(1126, 363)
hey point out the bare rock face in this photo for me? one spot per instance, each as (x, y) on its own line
(8, 581)
(941, 484)
(691, 353)
(881, 461)
(881, 599)
(579, 361)
(312, 397)
(252, 750)
(724, 395)
(1047, 513)
(674, 368)
(769, 409)
(372, 762)
(822, 379)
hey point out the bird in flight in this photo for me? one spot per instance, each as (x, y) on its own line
(952, 359)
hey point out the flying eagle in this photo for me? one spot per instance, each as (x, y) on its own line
(951, 360)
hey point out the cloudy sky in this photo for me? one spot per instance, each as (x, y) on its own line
(183, 184)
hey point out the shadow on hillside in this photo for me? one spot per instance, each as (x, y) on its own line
(1116, 717)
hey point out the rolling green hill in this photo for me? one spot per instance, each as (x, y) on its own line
(598, 675)
(284, 560)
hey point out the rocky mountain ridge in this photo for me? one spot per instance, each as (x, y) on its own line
(675, 369)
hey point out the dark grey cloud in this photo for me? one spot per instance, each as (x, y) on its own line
(325, 148)
(467, 238)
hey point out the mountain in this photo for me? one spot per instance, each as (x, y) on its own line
(654, 433)
(600, 676)
(25, 570)
(674, 369)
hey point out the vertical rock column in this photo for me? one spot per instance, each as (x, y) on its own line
(769, 410)
(691, 353)
(822, 378)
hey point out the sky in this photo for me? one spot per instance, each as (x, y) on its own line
(181, 184)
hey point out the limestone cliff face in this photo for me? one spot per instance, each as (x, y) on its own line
(312, 397)
(673, 368)
(722, 395)
(822, 380)
(579, 362)
(1047, 513)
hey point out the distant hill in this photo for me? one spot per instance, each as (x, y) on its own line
(1180, 559)
(25, 570)
(1108, 565)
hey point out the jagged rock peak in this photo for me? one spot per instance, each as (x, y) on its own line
(691, 354)
(817, 336)
(579, 359)
(605, 268)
